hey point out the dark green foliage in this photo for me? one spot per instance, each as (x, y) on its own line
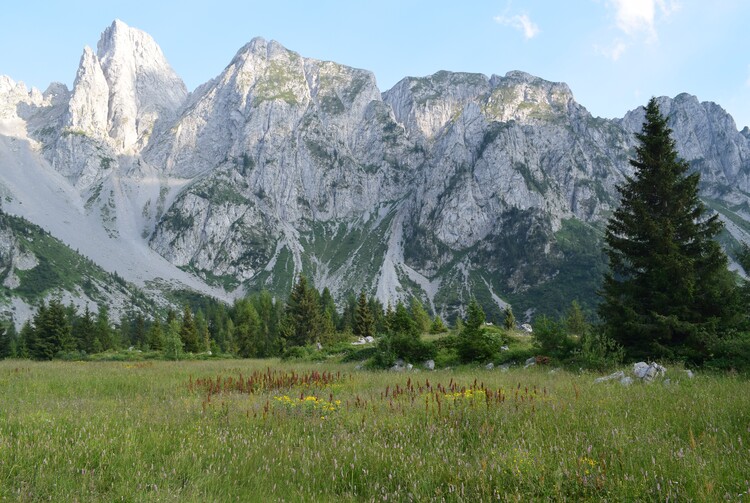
(475, 343)
(305, 324)
(103, 333)
(402, 341)
(6, 346)
(189, 332)
(84, 330)
(155, 336)
(52, 332)
(364, 322)
(437, 326)
(668, 288)
(731, 352)
(552, 339)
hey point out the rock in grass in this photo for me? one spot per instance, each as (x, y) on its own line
(648, 372)
(616, 375)
(490, 366)
(429, 364)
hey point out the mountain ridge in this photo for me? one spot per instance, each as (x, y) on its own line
(442, 187)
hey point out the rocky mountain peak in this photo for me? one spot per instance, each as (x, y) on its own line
(425, 105)
(88, 107)
(526, 98)
(142, 85)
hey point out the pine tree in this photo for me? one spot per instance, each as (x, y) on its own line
(474, 317)
(438, 327)
(104, 336)
(419, 315)
(668, 287)
(52, 331)
(189, 332)
(364, 322)
(303, 315)
(85, 331)
(155, 336)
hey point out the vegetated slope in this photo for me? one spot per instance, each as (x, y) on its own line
(443, 187)
(35, 266)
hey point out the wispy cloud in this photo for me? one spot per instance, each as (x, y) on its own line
(637, 20)
(613, 51)
(522, 23)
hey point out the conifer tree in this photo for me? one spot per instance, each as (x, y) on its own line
(303, 315)
(419, 315)
(104, 337)
(155, 336)
(364, 322)
(189, 332)
(85, 331)
(667, 289)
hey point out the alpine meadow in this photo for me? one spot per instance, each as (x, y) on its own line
(289, 285)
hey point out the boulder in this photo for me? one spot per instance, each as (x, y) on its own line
(648, 372)
(626, 381)
(526, 328)
(529, 362)
(398, 366)
(429, 365)
(504, 348)
(490, 366)
(616, 375)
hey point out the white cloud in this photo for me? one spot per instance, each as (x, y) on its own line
(520, 22)
(637, 19)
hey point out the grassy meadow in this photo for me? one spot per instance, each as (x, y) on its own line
(251, 430)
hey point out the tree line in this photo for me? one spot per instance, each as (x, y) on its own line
(257, 326)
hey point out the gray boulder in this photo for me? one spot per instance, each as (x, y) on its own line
(616, 375)
(429, 364)
(490, 366)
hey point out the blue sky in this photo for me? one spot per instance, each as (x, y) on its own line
(614, 54)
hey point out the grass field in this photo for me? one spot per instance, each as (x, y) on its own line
(242, 430)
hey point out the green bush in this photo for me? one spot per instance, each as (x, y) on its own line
(402, 346)
(598, 351)
(552, 338)
(446, 357)
(479, 346)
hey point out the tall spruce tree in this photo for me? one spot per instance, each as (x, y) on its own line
(364, 322)
(668, 288)
(303, 314)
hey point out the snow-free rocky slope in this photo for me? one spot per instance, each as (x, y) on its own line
(441, 187)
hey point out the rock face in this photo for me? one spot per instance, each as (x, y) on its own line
(441, 187)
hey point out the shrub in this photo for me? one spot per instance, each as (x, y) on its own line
(479, 345)
(598, 351)
(552, 339)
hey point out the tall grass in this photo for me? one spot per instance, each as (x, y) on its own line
(267, 430)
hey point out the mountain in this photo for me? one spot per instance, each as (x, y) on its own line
(442, 187)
